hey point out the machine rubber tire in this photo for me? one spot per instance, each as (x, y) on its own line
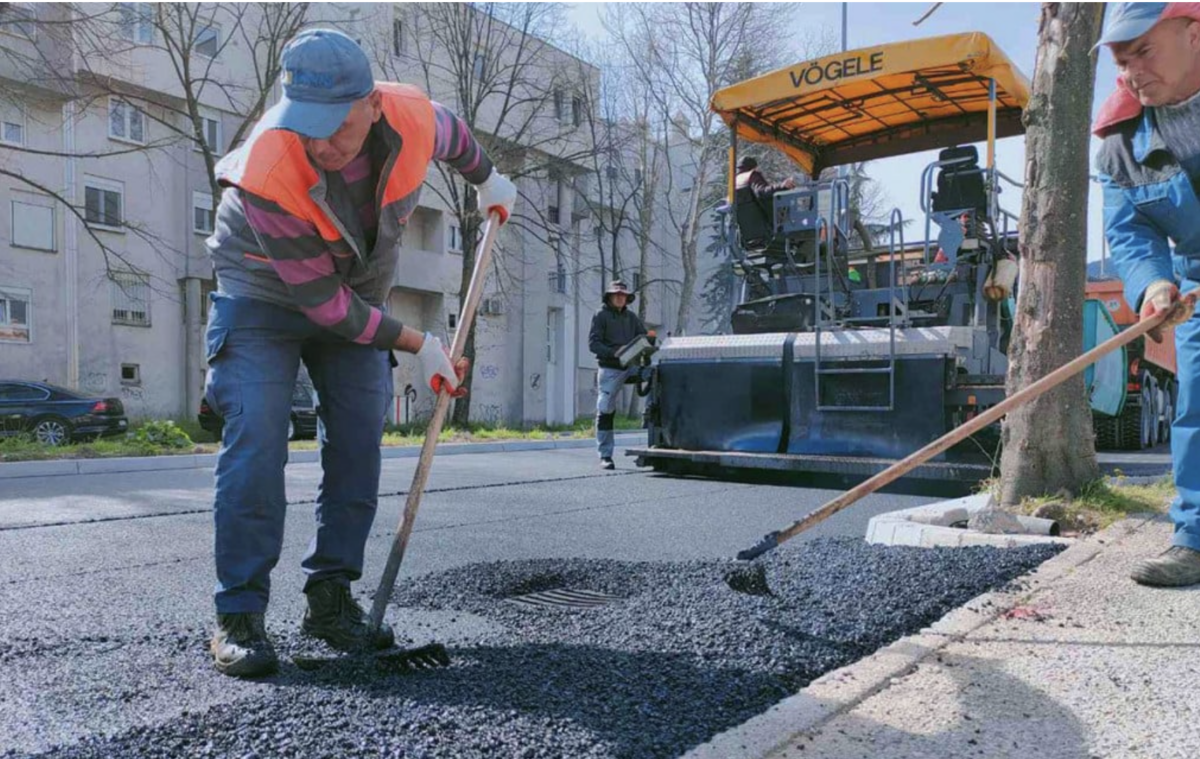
(1108, 432)
(1170, 398)
(1129, 427)
(1149, 416)
(51, 430)
(292, 430)
(1160, 414)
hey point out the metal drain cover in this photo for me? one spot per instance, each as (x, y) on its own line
(565, 598)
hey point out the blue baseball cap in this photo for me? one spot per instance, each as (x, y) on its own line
(323, 73)
(1128, 21)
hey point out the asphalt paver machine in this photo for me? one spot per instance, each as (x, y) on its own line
(846, 356)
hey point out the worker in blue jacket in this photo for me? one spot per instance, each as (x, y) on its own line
(1149, 166)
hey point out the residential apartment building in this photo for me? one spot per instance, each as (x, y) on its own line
(106, 202)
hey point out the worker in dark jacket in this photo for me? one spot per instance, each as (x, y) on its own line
(752, 196)
(613, 327)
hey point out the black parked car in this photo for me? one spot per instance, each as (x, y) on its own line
(55, 415)
(301, 425)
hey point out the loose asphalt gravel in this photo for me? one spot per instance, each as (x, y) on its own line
(679, 658)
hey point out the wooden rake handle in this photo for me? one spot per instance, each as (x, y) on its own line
(483, 260)
(956, 435)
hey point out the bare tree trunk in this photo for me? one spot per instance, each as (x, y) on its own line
(687, 253)
(1049, 443)
(461, 415)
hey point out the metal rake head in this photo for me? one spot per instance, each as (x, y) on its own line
(429, 656)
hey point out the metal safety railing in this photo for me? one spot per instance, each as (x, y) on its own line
(992, 178)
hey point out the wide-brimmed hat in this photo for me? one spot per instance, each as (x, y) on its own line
(617, 286)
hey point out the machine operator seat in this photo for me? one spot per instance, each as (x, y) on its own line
(753, 219)
(756, 232)
(961, 186)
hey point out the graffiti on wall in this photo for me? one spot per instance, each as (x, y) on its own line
(535, 381)
(93, 381)
(489, 372)
(133, 392)
(488, 413)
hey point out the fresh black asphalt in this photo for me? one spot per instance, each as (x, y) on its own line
(104, 625)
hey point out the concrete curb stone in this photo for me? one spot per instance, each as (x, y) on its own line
(929, 526)
(66, 467)
(842, 690)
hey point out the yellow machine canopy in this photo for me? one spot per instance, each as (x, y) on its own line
(880, 101)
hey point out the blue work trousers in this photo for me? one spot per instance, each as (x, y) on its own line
(1185, 433)
(254, 353)
(609, 383)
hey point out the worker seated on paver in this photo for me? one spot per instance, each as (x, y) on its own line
(613, 327)
(1149, 163)
(752, 199)
(305, 250)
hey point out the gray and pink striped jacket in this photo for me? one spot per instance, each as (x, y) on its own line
(327, 243)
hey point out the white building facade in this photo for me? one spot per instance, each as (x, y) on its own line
(108, 294)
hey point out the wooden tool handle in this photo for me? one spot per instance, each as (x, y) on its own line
(956, 435)
(483, 260)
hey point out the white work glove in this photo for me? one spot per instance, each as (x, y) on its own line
(497, 194)
(439, 371)
(1162, 295)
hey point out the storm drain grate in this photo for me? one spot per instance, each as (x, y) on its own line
(565, 598)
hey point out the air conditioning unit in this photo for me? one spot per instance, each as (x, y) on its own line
(492, 306)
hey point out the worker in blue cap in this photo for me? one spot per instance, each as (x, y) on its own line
(306, 248)
(1149, 166)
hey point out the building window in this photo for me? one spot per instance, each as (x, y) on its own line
(32, 226)
(130, 298)
(452, 321)
(637, 177)
(560, 106)
(610, 171)
(131, 374)
(553, 215)
(479, 65)
(210, 134)
(207, 41)
(203, 218)
(19, 19)
(126, 122)
(635, 281)
(576, 110)
(12, 127)
(398, 44)
(454, 245)
(102, 204)
(137, 22)
(14, 314)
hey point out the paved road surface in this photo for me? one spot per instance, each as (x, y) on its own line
(92, 560)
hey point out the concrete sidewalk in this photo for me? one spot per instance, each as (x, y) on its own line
(1079, 663)
(66, 467)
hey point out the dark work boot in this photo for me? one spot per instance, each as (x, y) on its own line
(336, 618)
(607, 463)
(1176, 567)
(241, 648)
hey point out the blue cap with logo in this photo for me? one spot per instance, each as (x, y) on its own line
(1128, 21)
(323, 73)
